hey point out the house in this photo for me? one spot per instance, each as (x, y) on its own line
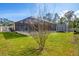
(27, 24)
(23, 25)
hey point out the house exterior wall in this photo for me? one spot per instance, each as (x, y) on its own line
(53, 27)
(22, 27)
(7, 28)
(62, 27)
(4, 29)
(0, 28)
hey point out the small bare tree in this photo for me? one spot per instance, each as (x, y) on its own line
(41, 30)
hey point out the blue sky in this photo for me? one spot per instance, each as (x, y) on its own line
(19, 11)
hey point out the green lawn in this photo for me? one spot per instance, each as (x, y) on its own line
(57, 44)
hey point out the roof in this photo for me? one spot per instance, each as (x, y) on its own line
(33, 20)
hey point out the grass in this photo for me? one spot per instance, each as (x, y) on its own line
(57, 44)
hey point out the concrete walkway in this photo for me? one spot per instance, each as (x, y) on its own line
(24, 33)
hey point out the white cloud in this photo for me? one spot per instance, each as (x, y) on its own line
(61, 13)
(77, 13)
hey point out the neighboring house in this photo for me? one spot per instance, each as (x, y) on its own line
(4, 29)
(6, 25)
(7, 28)
(62, 27)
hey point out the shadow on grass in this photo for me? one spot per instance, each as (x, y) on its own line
(12, 35)
(31, 52)
(26, 52)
